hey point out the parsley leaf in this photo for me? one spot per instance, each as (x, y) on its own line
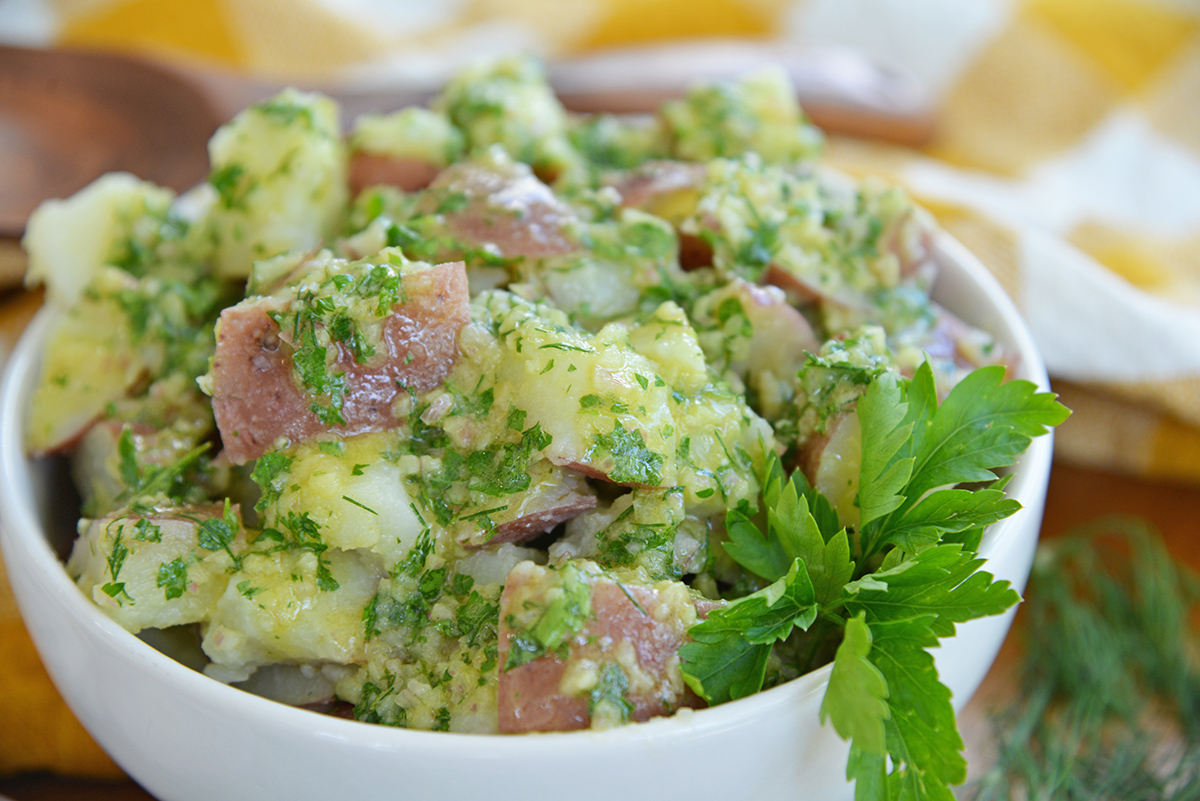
(270, 473)
(730, 668)
(608, 699)
(949, 511)
(752, 549)
(922, 738)
(985, 423)
(856, 701)
(173, 578)
(739, 636)
(944, 581)
(905, 579)
(216, 533)
(882, 476)
(633, 462)
(912, 447)
(792, 532)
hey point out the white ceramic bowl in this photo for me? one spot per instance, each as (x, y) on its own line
(185, 737)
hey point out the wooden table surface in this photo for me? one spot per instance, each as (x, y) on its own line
(1076, 496)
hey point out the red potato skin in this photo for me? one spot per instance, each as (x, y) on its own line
(591, 471)
(513, 212)
(777, 276)
(529, 698)
(642, 187)
(257, 400)
(531, 525)
(694, 252)
(776, 322)
(373, 169)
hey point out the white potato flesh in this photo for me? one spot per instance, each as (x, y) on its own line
(142, 563)
(69, 241)
(412, 132)
(279, 168)
(837, 469)
(91, 360)
(579, 388)
(273, 610)
(356, 497)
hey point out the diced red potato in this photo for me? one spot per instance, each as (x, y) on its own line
(694, 253)
(830, 461)
(590, 470)
(150, 541)
(955, 348)
(668, 189)
(908, 239)
(537, 522)
(781, 334)
(942, 342)
(257, 399)
(374, 169)
(952, 339)
(510, 210)
(661, 187)
(653, 186)
(642, 637)
(912, 244)
(537, 510)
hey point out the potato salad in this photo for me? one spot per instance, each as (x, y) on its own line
(472, 417)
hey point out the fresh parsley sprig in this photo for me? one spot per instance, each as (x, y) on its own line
(913, 449)
(887, 592)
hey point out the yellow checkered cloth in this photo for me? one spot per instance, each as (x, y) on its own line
(1067, 158)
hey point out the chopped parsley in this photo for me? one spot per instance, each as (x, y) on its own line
(608, 701)
(173, 578)
(270, 473)
(633, 462)
(551, 629)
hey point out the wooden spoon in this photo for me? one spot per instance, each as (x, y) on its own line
(68, 117)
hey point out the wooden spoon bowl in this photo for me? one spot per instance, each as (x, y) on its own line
(67, 117)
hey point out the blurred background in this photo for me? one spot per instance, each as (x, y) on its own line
(1058, 139)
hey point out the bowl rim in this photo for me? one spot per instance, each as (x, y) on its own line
(22, 531)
